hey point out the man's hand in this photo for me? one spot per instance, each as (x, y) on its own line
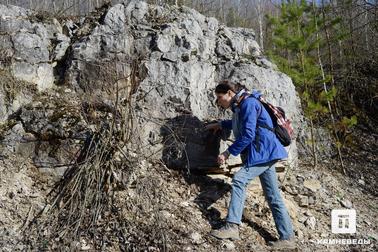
(213, 126)
(223, 157)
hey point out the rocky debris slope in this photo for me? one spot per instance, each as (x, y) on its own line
(163, 210)
(362, 159)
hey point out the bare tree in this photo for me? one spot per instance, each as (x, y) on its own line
(260, 15)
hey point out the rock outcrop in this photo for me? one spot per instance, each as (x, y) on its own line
(175, 54)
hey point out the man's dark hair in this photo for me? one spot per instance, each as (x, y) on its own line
(226, 85)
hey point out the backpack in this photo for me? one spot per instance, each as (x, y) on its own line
(281, 125)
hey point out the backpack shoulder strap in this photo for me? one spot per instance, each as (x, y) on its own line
(262, 105)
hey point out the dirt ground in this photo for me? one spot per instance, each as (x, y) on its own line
(164, 210)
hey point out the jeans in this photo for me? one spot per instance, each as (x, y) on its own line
(268, 179)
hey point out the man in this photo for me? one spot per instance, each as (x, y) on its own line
(260, 150)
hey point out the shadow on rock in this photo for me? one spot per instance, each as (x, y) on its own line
(194, 150)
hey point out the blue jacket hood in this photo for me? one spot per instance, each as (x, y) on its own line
(256, 94)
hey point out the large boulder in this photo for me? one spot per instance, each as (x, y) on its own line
(168, 59)
(181, 56)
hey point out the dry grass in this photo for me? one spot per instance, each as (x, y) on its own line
(5, 58)
(85, 203)
(11, 87)
(85, 192)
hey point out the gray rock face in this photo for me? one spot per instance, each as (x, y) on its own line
(50, 119)
(175, 54)
(39, 74)
(30, 48)
(30, 45)
(10, 10)
(53, 125)
(61, 47)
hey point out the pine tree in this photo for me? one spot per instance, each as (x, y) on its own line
(296, 40)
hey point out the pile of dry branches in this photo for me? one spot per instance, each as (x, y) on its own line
(83, 197)
(103, 198)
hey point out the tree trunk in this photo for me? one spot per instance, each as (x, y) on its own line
(259, 10)
(306, 88)
(366, 31)
(315, 156)
(330, 55)
(326, 91)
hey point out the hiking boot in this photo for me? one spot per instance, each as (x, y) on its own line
(282, 244)
(228, 231)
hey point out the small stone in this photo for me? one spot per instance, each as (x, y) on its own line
(346, 203)
(306, 191)
(84, 245)
(184, 204)
(300, 178)
(310, 222)
(281, 177)
(294, 190)
(28, 137)
(311, 236)
(167, 215)
(361, 182)
(312, 184)
(75, 244)
(302, 219)
(11, 195)
(228, 245)
(308, 213)
(196, 237)
(164, 43)
(133, 154)
(299, 234)
(287, 189)
(302, 200)
(223, 212)
(20, 247)
(311, 200)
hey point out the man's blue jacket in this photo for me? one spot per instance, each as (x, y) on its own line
(257, 145)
